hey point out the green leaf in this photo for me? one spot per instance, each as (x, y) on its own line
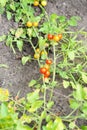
(50, 104)
(9, 15)
(42, 43)
(66, 84)
(25, 59)
(79, 93)
(12, 6)
(3, 2)
(43, 115)
(19, 32)
(9, 40)
(58, 124)
(71, 55)
(73, 104)
(35, 105)
(32, 97)
(84, 77)
(32, 83)
(20, 44)
(62, 18)
(4, 110)
(83, 127)
(4, 66)
(53, 17)
(72, 125)
(72, 21)
(2, 38)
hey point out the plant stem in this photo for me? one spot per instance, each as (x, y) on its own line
(54, 69)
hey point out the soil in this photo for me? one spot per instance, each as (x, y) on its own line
(17, 76)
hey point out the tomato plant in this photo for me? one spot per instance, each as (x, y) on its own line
(65, 61)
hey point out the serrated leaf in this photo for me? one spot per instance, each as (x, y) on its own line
(73, 104)
(19, 32)
(72, 125)
(84, 77)
(71, 55)
(66, 84)
(25, 59)
(32, 83)
(79, 93)
(2, 38)
(20, 45)
(50, 104)
(3, 2)
(34, 96)
(9, 15)
(36, 105)
(4, 110)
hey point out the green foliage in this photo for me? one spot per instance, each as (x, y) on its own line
(69, 61)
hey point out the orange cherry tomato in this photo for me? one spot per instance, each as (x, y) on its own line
(43, 70)
(29, 24)
(48, 61)
(60, 36)
(35, 24)
(56, 38)
(36, 3)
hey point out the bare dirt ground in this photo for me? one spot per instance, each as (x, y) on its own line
(17, 76)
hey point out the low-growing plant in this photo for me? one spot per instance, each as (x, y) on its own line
(68, 62)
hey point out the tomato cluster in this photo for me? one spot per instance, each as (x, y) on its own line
(56, 38)
(32, 24)
(45, 70)
(39, 53)
(43, 3)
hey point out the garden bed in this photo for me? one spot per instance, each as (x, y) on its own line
(16, 77)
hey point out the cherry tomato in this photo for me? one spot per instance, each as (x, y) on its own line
(47, 66)
(36, 3)
(48, 61)
(47, 73)
(36, 56)
(38, 50)
(60, 36)
(43, 70)
(44, 3)
(43, 52)
(29, 24)
(50, 36)
(56, 38)
(35, 24)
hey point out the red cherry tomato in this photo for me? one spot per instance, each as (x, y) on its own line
(50, 36)
(47, 74)
(43, 70)
(48, 62)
